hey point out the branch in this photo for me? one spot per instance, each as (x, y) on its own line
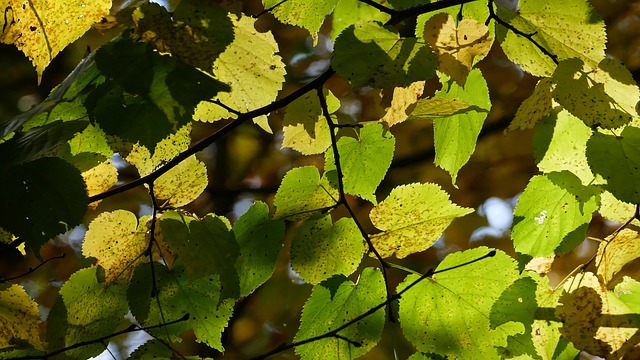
(334, 333)
(130, 329)
(380, 7)
(31, 270)
(422, 9)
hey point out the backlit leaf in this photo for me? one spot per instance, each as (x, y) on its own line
(19, 317)
(165, 150)
(307, 14)
(349, 12)
(118, 241)
(100, 178)
(615, 252)
(552, 214)
(401, 103)
(369, 53)
(336, 302)
(42, 28)
(412, 219)
(533, 108)
(304, 127)
(364, 162)
(321, 249)
(182, 184)
(436, 107)
(302, 192)
(449, 314)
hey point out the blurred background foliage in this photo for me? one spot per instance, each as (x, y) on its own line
(249, 164)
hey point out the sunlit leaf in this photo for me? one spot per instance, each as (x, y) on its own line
(307, 14)
(369, 53)
(304, 127)
(457, 46)
(552, 214)
(42, 28)
(449, 314)
(321, 249)
(251, 67)
(412, 219)
(336, 302)
(118, 241)
(533, 108)
(436, 107)
(19, 317)
(364, 162)
(615, 252)
(349, 12)
(401, 103)
(182, 184)
(302, 192)
(100, 178)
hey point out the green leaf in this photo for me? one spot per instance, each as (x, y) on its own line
(182, 184)
(93, 308)
(436, 107)
(449, 314)
(140, 291)
(549, 22)
(370, 54)
(412, 219)
(560, 143)
(58, 190)
(617, 160)
(19, 317)
(349, 12)
(534, 108)
(253, 70)
(302, 192)
(304, 13)
(117, 241)
(552, 214)
(206, 246)
(200, 297)
(364, 162)
(455, 136)
(321, 249)
(260, 239)
(604, 96)
(304, 127)
(335, 303)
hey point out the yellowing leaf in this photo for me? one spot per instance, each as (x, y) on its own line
(42, 28)
(403, 98)
(167, 149)
(412, 218)
(304, 127)
(616, 210)
(252, 69)
(118, 242)
(457, 47)
(302, 192)
(100, 178)
(19, 317)
(182, 184)
(304, 13)
(534, 108)
(439, 107)
(615, 252)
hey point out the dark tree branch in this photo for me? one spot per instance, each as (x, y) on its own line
(334, 333)
(31, 270)
(422, 9)
(380, 7)
(270, 9)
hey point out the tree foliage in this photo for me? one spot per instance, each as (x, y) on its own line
(180, 275)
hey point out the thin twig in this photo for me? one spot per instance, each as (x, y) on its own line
(31, 270)
(269, 9)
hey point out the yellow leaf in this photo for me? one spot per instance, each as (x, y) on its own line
(457, 47)
(42, 28)
(165, 150)
(534, 108)
(403, 98)
(100, 178)
(615, 252)
(118, 241)
(182, 184)
(437, 107)
(19, 317)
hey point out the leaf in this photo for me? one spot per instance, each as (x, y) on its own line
(321, 249)
(534, 108)
(206, 246)
(260, 239)
(58, 190)
(182, 184)
(307, 14)
(455, 136)
(457, 46)
(199, 297)
(615, 252)
(436, 107)
(348, 12)
(364, 162)
(560, 143)
(19, 317)
(401, 103)
(304, 127)
(253, 70)
(118, 241)
(196, 32)
(335, 303)
(100, 178)
(617, 160)
(42, 28)
(552, 214)
(605, 96)
(370, 54)
(616, 210)
(449, 314)
(548, 23)
(301, 193)
(93, 309)
(140, 291)
(412, 219)
(165, 150)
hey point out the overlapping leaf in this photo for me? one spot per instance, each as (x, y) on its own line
(348, 12)
(19, 317)
(304, 127)
(333, 304)
(436, 107)
(615, 252)
(402, 103)
(307, 14)
(533, 108)
(412, 219)
(364, 162)
(302, 192)
(182, 184)
(321, 249)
